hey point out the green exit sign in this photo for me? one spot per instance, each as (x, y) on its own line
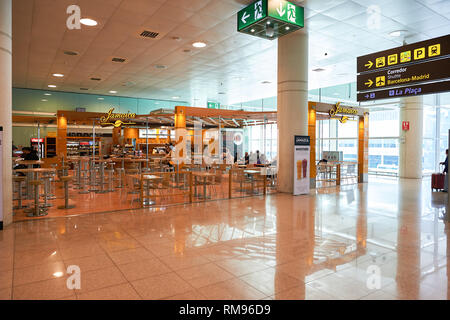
(213, 105)
(270, 19)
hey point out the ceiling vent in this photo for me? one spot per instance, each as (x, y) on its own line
(96, 79)
(149, 34)
(84, 89)
(318, 70)
(120, 60)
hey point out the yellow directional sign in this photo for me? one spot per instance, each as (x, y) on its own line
(419, 53)
(392, 59)
(380, 81)
(434, 50)
(369, 83)
(380, 62)
(369, 64)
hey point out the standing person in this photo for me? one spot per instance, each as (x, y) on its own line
(247, 158)
(445, 163)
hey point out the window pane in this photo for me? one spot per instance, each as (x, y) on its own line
(384, 123)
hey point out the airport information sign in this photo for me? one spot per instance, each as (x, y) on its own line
(270, 19)
(413, 69)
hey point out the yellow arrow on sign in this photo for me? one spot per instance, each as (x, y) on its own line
(369, 83)
(369, 64)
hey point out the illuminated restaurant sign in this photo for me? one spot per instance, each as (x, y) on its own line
(117, 119)
(337, 109)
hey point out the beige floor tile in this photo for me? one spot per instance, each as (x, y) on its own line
(118, 245)
(99, 279)
(204, 275)
(130, 255)
(120, 292)
(162, 286)
(143, 269)
(303, 292)
(379, 295)
(24, 259)
(183, 261)
(90, 263)
(39, 272)
(6, 278)
(270, 281)
(241, 265)
(6, 264)
(191, 295)
(79, 251)
(43, 290)
(233, 289)
(6, 294)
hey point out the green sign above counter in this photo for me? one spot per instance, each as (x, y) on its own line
(213, 105)
(270, 19)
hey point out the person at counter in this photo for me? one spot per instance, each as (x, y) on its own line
(247, 158)
(28, 154)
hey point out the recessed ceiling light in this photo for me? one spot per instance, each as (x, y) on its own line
(51, 86)
(47, 94)
(112, 91)
(44, 100)
(88, 22)
(253, 30)
(396, 33)
(199, 44)
(101, 98)
(268, 22)
(287, 28)
(176, 97)
(58, 75)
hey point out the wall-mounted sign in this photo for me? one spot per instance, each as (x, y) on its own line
(405, 125)
(302, 151)
(406, 69)
(333, 155)
(416, 53)
(36, 140)
(407, 91)
(117, 119)
(407, 75)
(270, 19)
(343, 111)
(213, 105)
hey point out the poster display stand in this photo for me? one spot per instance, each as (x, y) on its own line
(302, 148)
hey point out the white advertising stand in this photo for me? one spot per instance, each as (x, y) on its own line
(302, 150)
(1, 178)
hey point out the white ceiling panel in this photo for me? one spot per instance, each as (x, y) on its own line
(232, 62)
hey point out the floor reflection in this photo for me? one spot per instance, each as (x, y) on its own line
(387, 239)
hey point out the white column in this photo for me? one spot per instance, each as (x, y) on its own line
(411, 142)
(5, 104)
(292, 102)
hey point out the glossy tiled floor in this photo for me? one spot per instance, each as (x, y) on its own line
(322, 246)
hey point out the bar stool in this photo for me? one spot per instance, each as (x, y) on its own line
(65, 180)
(19, 180)
(46, 179)
(84, 182)
(121, 173)
(37, 210)
(110, 172)
(135, 184)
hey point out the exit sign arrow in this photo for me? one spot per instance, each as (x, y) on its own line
(280, 10)
(244, 17)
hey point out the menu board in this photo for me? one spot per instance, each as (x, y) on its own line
(147, 133)
(302, 150)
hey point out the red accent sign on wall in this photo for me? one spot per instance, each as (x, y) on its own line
(405, 125)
